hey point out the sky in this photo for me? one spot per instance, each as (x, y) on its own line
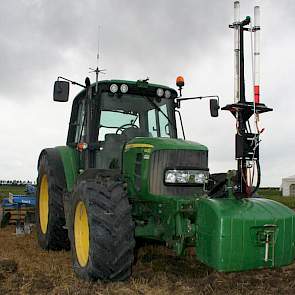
(41, 40)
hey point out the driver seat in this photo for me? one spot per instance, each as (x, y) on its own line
(132, 132)
(110, 157)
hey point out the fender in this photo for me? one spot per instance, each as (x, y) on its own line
(68, 159)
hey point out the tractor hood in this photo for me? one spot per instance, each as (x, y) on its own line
(146, 159)
(156, 143)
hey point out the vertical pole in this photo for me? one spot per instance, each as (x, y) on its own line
(242, 74)
(96, 79)
(89, 152)
(236, 51)
(256, 54)
(88, 127)
(242, 163)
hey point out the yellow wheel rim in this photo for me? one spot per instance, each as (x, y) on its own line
(81, 232)
(43, 204)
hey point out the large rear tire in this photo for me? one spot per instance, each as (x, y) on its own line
(101, 230)
(50, 217)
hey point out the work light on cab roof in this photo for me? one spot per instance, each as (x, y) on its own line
(114, 88)
(124, 88)
(167, 93)
(160, 92)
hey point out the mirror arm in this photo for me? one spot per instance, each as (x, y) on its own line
(181, 124)
(178, 100)
(73, 82)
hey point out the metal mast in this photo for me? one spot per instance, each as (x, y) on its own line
(247, 143)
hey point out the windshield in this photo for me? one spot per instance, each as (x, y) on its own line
(151, 117)
(116, 122)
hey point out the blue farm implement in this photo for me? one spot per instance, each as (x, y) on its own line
(19, 210)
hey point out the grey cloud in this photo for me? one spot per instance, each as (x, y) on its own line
(38, 33)
(40, 40)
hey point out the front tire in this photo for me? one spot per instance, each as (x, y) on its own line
(101, 230)
(50, 217)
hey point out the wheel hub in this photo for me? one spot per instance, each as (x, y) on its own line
(43, 204)
(81, 233)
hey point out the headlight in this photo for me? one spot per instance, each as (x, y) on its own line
(190, 177)
(114, 88)
(124, 88)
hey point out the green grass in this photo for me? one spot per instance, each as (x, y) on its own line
(276, 195)
(288, 201)
(269, 191)
(15, 189)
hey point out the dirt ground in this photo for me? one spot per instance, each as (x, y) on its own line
(26, 269)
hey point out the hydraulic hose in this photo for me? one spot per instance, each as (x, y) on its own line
(258, 177)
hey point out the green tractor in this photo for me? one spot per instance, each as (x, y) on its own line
(125, 175)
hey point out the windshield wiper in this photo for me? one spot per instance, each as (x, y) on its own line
(159, 110)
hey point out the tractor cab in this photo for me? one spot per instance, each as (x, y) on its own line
(120, 111)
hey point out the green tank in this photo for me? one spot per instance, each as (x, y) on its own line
(234, 235)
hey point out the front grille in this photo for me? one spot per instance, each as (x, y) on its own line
(175, 159)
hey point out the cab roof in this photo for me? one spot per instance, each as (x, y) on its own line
(129, 83)
(134, 83)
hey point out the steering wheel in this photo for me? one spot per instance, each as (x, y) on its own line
(123, 127)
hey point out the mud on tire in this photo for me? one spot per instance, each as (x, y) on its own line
(53, 236)
(111, 229)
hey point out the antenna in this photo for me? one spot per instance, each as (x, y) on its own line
(97, 70)
(98, 36)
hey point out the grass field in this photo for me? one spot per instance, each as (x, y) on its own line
(26, 269)
(275, 194)
(15, 189)
(288, 201)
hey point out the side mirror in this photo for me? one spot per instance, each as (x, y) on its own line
(214, 107)
(61, 91)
